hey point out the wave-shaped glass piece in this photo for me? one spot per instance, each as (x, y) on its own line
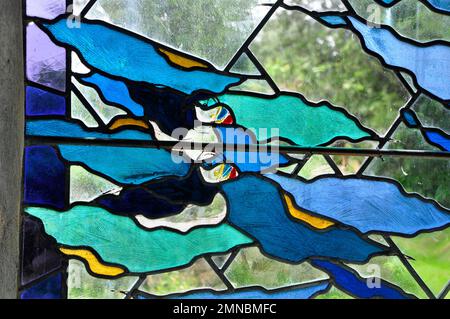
(369, 205)
(296, 120)
(133, 58)
(279, 235)
(120, 241)
(143, 164)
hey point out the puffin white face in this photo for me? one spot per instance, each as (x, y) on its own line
(218, 115)
(220, 173)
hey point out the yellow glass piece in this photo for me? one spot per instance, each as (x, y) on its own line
(182, 61)
(128, 121)
(95, 265)
(316, 222)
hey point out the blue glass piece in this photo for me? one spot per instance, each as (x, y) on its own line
(125, 164)
(366, 204)
(334, 20)
(132, 58)
(254, 293)
(40, 102)
(256, 207)
(50, 288)
(261, 159)
(439, 139)
(114, 92)
(410, 118)
(440, 4)
(45, 177)
(430, 64)
(350, 283)
(68, 129)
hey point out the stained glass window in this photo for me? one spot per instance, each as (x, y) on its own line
(236, 149)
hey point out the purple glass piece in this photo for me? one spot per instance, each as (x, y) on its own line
(39, 251)
(48, 9)
(40, 102)
(46, 62)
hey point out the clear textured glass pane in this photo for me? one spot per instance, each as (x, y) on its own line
(432, 113)
(199, 276)
(245, 66)
(213, 31)
(427, 177)
(318, 5)
(81, 285)
(79, 112)
(317, 165)
(85, 186)
(251, 268)
(430, 253)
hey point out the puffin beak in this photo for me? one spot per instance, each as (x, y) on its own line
(228, 120)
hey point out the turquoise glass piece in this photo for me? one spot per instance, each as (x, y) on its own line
(299, 121)
(120, 241)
